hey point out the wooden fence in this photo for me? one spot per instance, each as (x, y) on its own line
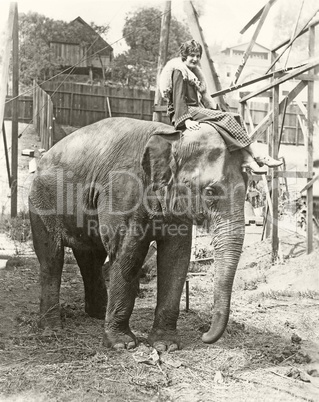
(25, 112)
(294, 130)
(79, 105)
(43, 120)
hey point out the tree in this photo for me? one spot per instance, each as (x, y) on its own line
(284, 24)
(35, 54)
(35, 34)
(137, 66)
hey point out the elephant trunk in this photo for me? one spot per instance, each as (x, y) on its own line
(228, 241)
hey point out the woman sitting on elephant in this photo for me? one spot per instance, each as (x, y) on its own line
(183, 85)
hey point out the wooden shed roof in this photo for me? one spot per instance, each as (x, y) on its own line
(71, 40)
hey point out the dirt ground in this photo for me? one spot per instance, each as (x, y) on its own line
(269, 352)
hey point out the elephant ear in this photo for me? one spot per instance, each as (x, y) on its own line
(158, 160)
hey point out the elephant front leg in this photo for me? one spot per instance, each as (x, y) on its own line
(173, 256)
(123, 289)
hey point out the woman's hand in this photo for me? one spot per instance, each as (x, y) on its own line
(191, 124)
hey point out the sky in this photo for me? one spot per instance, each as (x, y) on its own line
(221, 20)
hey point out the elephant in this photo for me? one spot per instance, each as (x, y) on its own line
(110, 189)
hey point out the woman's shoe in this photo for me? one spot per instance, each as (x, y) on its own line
(268, 161)
(253, 167)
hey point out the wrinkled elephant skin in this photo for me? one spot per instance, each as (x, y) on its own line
(111, 188)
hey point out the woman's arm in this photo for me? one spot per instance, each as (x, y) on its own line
(208, 101)
(181, 113)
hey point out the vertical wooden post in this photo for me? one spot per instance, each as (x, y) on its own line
(71, 108)
(250, 119)
(35, 102)
(275, 179)
(310, 120)
(109, 106)
(243, 112)
(297, 130)
(271, 106)
(5, 146)
(142, 109)
(49, 127)
(105, 105)
(162, 57)
(5, 44)
(268, 223)
(15, 113)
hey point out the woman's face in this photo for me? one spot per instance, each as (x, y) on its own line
(192, 59)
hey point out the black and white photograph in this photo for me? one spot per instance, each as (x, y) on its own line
(159, 203)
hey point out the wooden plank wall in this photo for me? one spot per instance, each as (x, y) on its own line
(69, 54)
(292, 132)
(25, 104)
(79, 105)
(43, 116)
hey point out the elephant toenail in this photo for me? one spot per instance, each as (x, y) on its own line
(119, 346)
(131, 345)
(172, 347)
(160, 346)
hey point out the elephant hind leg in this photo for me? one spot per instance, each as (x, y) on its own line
(50, 252)
(90, 263)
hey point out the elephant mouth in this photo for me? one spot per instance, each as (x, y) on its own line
(202, 214)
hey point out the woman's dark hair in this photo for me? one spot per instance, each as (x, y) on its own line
(189, 47)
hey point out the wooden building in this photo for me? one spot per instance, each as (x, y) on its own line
(86, 54)
(228, 60)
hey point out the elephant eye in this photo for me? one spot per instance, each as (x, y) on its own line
(210, 192)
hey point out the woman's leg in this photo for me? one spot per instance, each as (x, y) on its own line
(250, 164)
(232, 129)
(260, 158)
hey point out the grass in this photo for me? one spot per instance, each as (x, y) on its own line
(17, 229)
(252, 284)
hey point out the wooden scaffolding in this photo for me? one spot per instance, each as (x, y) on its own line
(274, 120)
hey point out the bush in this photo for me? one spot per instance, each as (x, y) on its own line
(19, 228)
